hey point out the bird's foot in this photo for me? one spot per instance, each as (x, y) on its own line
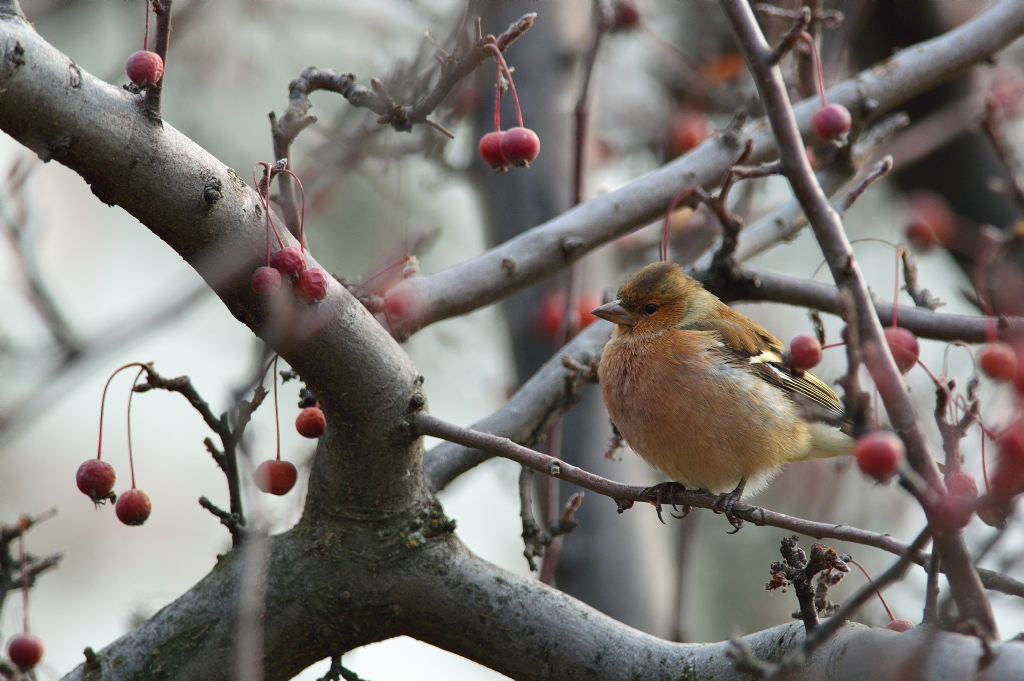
(667, 491)
(726, 504)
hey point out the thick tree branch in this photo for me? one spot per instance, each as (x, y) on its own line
(828, 229)
(546, 249)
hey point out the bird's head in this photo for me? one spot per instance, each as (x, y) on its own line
(656, 297)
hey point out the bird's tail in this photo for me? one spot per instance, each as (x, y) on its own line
(828, 441)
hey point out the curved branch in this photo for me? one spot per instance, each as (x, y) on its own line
(206, 212)
(546, 249)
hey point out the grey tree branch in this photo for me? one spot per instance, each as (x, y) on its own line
(828, 229)
(546, 249)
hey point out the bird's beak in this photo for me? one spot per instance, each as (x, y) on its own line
(613, 312)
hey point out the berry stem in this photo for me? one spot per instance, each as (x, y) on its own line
(265, 203)
(511, 83)
(896, 294)
(497, 97)
(833, 345)
(103, 401)
(806, 37)
(984, 465)
(131, 392)
(24, 581)
(872, 582)
(277, 418)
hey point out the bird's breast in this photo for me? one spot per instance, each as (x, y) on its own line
(702, 422)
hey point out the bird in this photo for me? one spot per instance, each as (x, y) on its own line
(704, 394)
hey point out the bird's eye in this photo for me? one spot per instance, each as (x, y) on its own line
(650, 308)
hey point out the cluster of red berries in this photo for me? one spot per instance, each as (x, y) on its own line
(518, 146)
(95, 478)
(145, 68)
(309, 283)
(805, 350)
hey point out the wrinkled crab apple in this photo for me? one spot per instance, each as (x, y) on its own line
(95, 479)
(289, 261)
(311, 422)
(133, 507)
(144, 68)
(266, 280)
(904, 347)
(311, 284)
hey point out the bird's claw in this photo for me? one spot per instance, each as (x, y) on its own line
(726, 504)
(666, 490)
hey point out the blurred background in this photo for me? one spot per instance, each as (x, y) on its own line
(84, 289)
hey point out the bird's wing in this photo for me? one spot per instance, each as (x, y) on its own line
(750, 347)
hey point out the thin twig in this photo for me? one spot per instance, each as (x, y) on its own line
(162, 9)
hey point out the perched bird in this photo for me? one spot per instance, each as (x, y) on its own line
(701, 392)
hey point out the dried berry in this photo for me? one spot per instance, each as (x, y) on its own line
(96, 479)
(312, 284)
(145, 68)
(289, 261)
(266, 281)
(133, 507)
(900, 625)
(311, 422)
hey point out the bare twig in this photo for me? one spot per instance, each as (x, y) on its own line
(877, 172)
(626, 495)
(798, 570)
(162, 9)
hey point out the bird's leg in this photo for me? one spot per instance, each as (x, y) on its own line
(725, 503)
(661, 491)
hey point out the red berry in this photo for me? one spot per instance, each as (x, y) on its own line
(25, 650)
(311, 422)
(935, 212)
(1008, 478)
(879, 454)
(900, 625)
(626, 15)
(145, 68)
(312, 284)
(289, 261)
(831, 121)
(266, 281)
(275, 477)
(1011, 443)
(490, 151)
(999, 361)
(520, 146)
(687, 130)
(962, 485)
(903, 346)
(133, 507)
(804, 351)
(994, 515)
(921, 234)
(96, 479)
(548, 319)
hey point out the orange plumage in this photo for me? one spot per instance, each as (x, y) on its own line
(701, 393)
